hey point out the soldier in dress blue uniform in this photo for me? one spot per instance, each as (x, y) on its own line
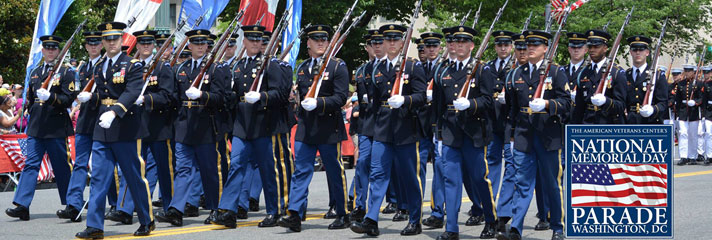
(538, 134)
(223, 118)
(688, 98)
(577, 51)
(320, 127)
(396, 139)
(196, 131)
(421, 49)
(506, 192)
(595, 108)
(48, 128)
(83, 136)
(640, 81)
(260, 124)
(465, 130)
(184, 55)
(117, 134)
(160, 39)
(364, 86)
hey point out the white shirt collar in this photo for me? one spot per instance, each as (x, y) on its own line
(576, 65)
(148, 59)
(599, 64)
(467, 60)
(229, 61)
(538, 64)
(94, 60)
(199, 60)
(641, 68)
(115, 58)
(502, 61)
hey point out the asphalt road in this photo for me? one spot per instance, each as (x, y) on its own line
(692, 217)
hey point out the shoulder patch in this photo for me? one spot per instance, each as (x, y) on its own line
(418, 63)
(486, 67)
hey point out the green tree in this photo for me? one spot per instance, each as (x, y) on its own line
(18, 17)
(95, 11)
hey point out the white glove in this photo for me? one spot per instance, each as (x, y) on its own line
(106, 118)
(429, 94)
(573, 95)
(598, 99)
(537, 105)
(43, 94)
(192, 93)
(461, 104)
(365, 97)
(139, 100)
(252, 97)
(396, 101)
(690, 103)
(500, 98)
(309, 104)
(84, 97)
(647, 111)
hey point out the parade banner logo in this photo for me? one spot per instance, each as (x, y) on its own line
(619, 181)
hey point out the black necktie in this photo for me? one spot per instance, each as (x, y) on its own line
(195, 65)
(108, 68)
(573, 70)
(595, 69)
(637, 72)
(459, 66)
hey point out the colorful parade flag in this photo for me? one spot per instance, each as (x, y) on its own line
(292, 31)
(136, 14)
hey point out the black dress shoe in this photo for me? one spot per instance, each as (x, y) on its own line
(475, 220)
(90, 233)
(502, 225)
(158, 203)
(254, 205)
(513, 235)
(112, 209)
(201, 203)
(304, 217)
(20, 212)
(292, 221)
(557, 236)
(449, 236)
(412, 229)
(241, 213)
(357, 214)
(270, 221)
(489, 231)
(350, 204)
(340, 222)
(145, 230)
(390, 208)
(331, 214)
(401, 215)
(172, 216)
(226, 218)
(191, 211)
(368, 226)
(433, 222)
(706, 162)
(541, 225)
(692, 161)
(211, 218)
(682, 161)
(70, 213)
(120, 216)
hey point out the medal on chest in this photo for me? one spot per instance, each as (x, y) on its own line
(153, 81)
(55, 79)
(119, 76)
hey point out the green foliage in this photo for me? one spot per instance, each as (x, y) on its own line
(18, 17)
(95, 11)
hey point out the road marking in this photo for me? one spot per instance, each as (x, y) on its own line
(186, 230)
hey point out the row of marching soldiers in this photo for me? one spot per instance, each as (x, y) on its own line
(129, 122)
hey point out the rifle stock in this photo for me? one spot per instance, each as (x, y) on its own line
(605, 79)
(56, 63)
(400, 66)
(653, 79)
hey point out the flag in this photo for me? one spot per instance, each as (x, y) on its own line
(48, 16)
(558, 7)
(292, 30)
(191, 10)
(619, 185)
(16, 148)
(257, 9)
(136, 14)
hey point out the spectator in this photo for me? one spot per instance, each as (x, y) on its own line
(17, 91)
(8, 118)
(6, 86)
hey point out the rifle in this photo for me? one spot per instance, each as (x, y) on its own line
(464, 19)
(698, 72)
(291, 44)
(608, 65)
(180, 47)
(342, 39)
(263, 63)
(545, 67)
(477, 16)
(464, 93)
(400, 64)
(652, 80)
(56, 63)
(605, 27)
(667, 74)
(321, 65)
(205, 65)
(242, 48)
(147, 70)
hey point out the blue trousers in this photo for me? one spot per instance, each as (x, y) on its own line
(207, 159)
(304, 170)
(424, 146)
(272, 157)
(363, 169)
(506, 193)
(542, 205)
(159, 169)
(105, 155)
(406, 159)
(196, 188)
(494, 161)
(112, 197)
(526, 166)
(78, 181)
(59, 156)
(256, 182)
(437, 198)
(463, 161)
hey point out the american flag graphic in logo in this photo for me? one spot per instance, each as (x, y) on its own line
(619, 185)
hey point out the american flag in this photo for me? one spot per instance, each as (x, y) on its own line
(619, 185)
(558, 7)
(16, 148)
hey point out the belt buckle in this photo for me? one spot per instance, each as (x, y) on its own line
(190, 104)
